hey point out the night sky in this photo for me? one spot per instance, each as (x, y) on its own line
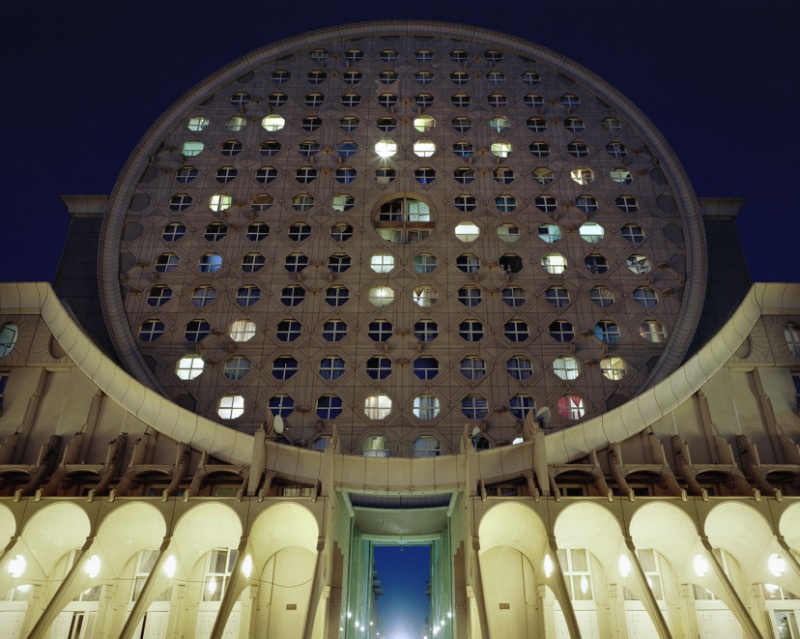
(404, 572)
(83, 80)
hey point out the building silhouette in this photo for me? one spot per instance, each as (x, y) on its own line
(400, 282)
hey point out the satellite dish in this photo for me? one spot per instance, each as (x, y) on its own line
(277, 424)
(543, 417)
(476, 431)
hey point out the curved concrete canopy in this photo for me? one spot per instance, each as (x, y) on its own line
(224, 443)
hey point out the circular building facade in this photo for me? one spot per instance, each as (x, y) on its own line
(402, 230)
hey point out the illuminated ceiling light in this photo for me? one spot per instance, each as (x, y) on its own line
(92, 566)
(584, 585)
(624, 565)
(385, 148)
(517, 440)
(170, 566)
(449, 615)
(349, 614)
(247, 566)
(775, 563)
(700, 565)
(211, 586)
(17, 566)
(548, 566)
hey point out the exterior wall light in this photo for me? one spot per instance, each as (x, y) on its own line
(775, 563)
(16, 567)
(548, 566)
(247, 566)
(700, 565)
(385, 148)
(170, 566)
(92, 566)
(624, 565)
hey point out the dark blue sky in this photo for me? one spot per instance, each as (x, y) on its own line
(83, 80)
(404, 573)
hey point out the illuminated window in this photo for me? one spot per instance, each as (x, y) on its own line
(566, 368)
(425, 296)
(381, 296)
(288, 330)
(220, 202)
(197, 330)
(331, 367)
(613, 368)
(198, 123)
(467, 231)
(230, 406)
(571, 407)
(425, 407)
(474, 407)
(607, 331)
(334, 331)
(377, 406)
(189, 367)
(508, 233)
(621, 175)
(554, 263)
(209, 263)
(792, 334)
(601, 296)
(473, 368)
(203, 295)
(653, 331)
(639, 264)
(343, 202)
(159, 295)
(192, 148)
(385, 148)
(382, 262)
(543, 176)
(424, 148)
(379, 367)
(242, 330)
(562, 331)
(591, 232)
(273, 123)
(237, 367)
(424, 123)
